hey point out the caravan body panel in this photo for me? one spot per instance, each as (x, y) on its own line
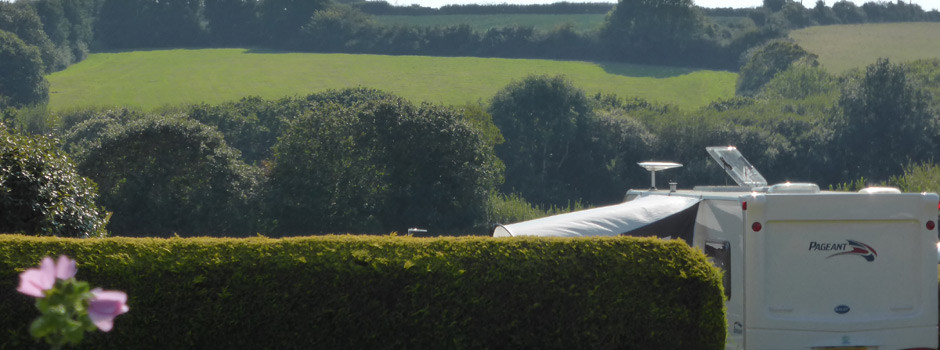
(822, 269)
(825, 267)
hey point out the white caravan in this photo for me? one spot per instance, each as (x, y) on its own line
(803, 268)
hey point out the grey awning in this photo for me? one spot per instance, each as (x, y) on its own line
(662, 216)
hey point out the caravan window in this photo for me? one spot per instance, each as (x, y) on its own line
(719, 254)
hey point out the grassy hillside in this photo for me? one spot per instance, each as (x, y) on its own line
(482, 23)
(844, 47)
(149, 79)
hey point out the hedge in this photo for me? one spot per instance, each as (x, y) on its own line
(355, 292)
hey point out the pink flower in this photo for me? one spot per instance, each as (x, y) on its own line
(35, 281)
(104, 306)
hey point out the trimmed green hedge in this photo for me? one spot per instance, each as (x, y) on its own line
(353, 292)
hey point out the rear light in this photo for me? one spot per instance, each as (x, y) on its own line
(744, 206)
(931, 225)
(756, 226)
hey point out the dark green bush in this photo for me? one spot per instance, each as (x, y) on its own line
(348, 292)
(167, 174)
(380, 166)
(41, 193)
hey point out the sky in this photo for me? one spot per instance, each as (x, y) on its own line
(927, 5)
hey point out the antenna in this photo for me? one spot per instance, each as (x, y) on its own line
(653, 167)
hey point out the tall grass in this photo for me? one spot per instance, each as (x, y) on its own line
(916, 178)
(512, 208)
(844, 47)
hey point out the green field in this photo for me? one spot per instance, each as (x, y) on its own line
(150, 79)
(844, 47)
(482, 23)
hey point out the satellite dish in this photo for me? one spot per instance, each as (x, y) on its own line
(653, 167)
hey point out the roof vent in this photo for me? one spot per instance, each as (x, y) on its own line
(879, 190)
(794, 187)
(731, 160)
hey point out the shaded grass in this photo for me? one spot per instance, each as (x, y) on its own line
(843, 47)
(151, 79)
(481, 23)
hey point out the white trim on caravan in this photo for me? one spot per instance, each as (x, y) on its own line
(803, 268)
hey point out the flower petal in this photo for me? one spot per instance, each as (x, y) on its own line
(65, 268)
(105, 305)
(34, 282)
(103, 322)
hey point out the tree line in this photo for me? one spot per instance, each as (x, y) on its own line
(355, 160)
(42, 36)
(364, 161)
(558, 8)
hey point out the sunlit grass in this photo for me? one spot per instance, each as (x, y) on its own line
(150, 79)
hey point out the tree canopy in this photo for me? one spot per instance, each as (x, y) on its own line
(652, 30)
(165, 174)
(379, 166)
(21, 73)
(764, 62)
(41, 193)
(885, 123)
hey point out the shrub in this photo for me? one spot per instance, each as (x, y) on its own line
(379, 166)
(41, 193)
(764, 62)
(345, 292)
(165, 175)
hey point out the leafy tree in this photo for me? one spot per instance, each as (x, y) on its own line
(774, 5)
(281, 20)
(885, 123)
(606, 166)
(455, 40)
(81, 16)
(337, 28)
(476, 115)
(232, 22)
(823, 14)
(321, 180)
(797, 15)
(508, 42)
(380, 166)
(652, 30)
(22, 21)
(565, 42)
(848, 12)
(799, 82)
(765, 62)
(165, 175)
(55, 25)
(41, 193)
(349, 97)
(83, 128)
(147, 23)
(250, 125)
(440, 170)
(541, 119)
(21, 73)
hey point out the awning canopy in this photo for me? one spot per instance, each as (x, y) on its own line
(661, 216)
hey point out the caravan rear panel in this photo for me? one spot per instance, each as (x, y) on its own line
(841, 270)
